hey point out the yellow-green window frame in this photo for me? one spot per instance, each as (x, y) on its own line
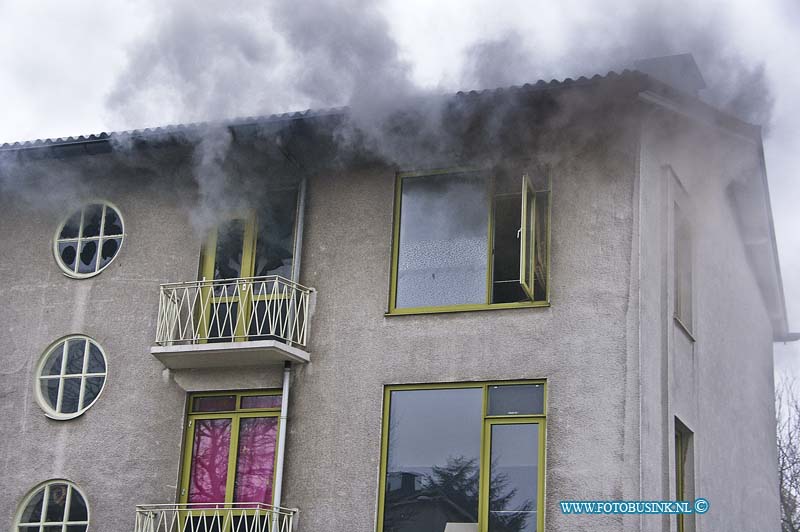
(487, 422)
(392, 307)
(236, 416)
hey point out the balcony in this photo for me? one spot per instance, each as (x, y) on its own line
(254, 321)
(223, 517)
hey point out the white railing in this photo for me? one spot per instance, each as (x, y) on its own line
(233, 310)
(214, 517)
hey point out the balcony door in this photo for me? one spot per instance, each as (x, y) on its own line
(237, 256)
(231, 445)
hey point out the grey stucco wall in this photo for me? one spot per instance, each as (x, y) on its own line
(126, 449)
(720, 386)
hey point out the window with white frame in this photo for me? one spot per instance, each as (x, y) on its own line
(53, 505)
(71, 375)
(88, 240)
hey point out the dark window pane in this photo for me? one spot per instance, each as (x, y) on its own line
(222, 322)
(109, 249)
(261, 401)
(49, 389)
(56, 502)
(70, 395)
(68, 253)
(513, 478)
(433, 461)
(505, 273)
(96, 363)
(33, 511)
(540, 253)
(516, 399)
(275, 235)
(75, 350)
(52, 528)
(214, 403)
(442, 257)
(28, 528)
(228, 254)
(77, 507)
(91, 220)
(88, 257)
(52, 365)
(71, 227)
(92, 387)
(113, 222)
(76, 528)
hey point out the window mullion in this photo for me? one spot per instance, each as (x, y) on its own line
(64, 353)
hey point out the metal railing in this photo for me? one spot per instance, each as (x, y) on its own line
(214, 517)
(233, 310)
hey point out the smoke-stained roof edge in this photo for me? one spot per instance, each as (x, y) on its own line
(84, 142)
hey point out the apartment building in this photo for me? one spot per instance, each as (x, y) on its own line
(257, 326)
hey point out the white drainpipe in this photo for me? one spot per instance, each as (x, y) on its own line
(276, 496)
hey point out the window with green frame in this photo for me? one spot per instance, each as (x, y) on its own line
(230, 448)
(470, 240)
(255, 243)
(464, 456)
(684, 473)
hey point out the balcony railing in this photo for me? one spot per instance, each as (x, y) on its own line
(233, 310)
(222, 517)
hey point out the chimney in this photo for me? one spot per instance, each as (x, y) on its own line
(679, 71)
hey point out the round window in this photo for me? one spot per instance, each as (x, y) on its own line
(89, 240)
(70, 377)
(53, 505)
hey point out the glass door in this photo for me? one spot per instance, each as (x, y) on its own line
(229, 459)
(514, 454)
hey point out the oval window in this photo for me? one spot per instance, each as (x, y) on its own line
(53, 505)
(70, 377)
(87, 241)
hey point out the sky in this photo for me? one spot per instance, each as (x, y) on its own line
(80, 67)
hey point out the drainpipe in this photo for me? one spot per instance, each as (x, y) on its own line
(276, 496)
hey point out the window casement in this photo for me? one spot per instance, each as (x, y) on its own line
(230, 449)
(88, 240)
(683, 269)
(684, 473)
(470, 240)
(237, 260)
(467, 456)
(54, 505)
(70, 377)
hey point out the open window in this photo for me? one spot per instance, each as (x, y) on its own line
(241, 261)
(468, 240)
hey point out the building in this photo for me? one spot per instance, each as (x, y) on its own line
(572, 298)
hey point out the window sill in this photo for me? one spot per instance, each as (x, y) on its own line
(464, 308)
(682, 326)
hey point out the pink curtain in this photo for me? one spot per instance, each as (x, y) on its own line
(256, 459)
(212, 441)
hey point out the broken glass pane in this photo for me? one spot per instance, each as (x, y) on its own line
(96, 363)
(228, 256)
(443, 248)
(56, 502)
(49, 388)
(92, 387)
(67, 251)
(75, 349)
(275, 235)
(92, 216)
(505, 273)
(88, 260)
(108, 251)
(113, 223)
(70, 395)
(71, 226)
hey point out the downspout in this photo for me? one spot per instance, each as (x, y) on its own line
(276, 496)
